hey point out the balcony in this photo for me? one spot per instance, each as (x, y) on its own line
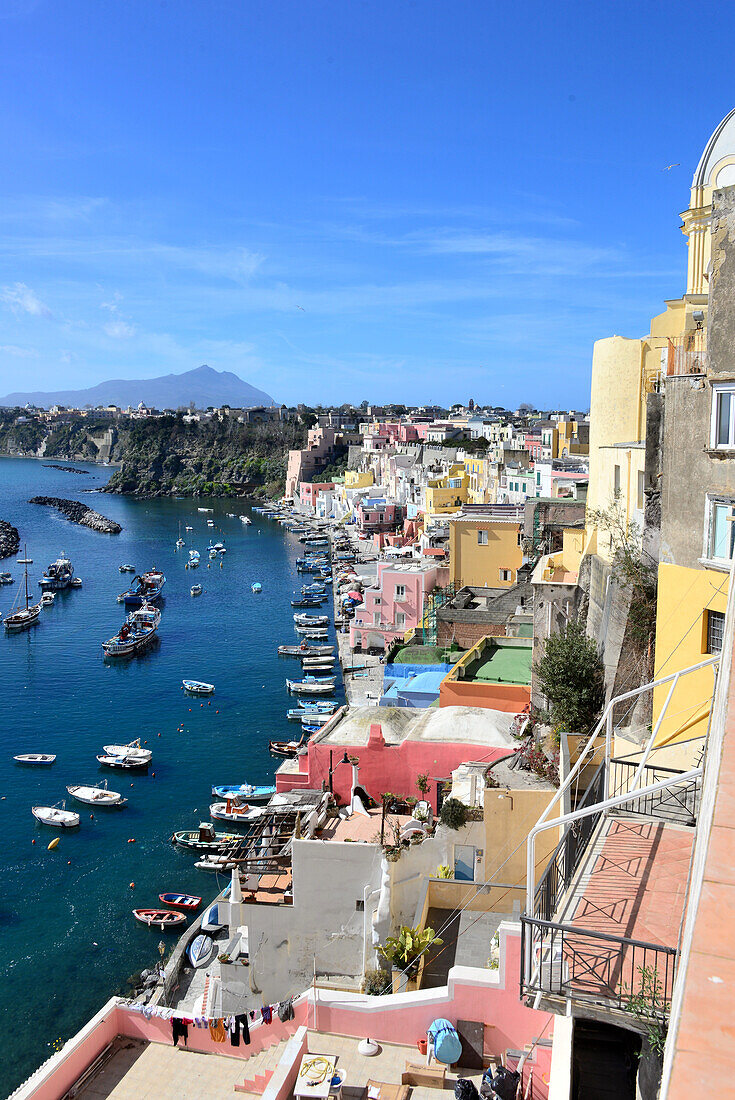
(687, 354)
(601, 927)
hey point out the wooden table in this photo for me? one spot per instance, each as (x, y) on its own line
(321, 1088)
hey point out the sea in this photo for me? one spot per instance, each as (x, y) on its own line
(69, 940)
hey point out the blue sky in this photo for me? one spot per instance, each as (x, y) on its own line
(339, 200)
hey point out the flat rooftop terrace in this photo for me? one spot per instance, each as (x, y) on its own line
(503, 665)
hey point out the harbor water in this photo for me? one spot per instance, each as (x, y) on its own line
(69, 938)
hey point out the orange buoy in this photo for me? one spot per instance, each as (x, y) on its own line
(68, 863)
(132, 885)
(33, 842)
(153, 775)
(131, 840)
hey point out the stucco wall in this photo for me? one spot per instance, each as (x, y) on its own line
(510, 698)
(479, 566)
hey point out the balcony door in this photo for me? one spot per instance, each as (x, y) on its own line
(464, 862)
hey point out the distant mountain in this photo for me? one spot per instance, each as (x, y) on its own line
(203, 386)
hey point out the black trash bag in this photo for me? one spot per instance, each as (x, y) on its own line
(465, 1090)
(504, 1084)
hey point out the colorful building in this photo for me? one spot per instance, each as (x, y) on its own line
(395, 604)
(485, 546)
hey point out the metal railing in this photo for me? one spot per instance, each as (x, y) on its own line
(596, 968)
(687, 354)
(569, 851)
(678, 803)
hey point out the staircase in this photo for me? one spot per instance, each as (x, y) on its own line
(260, 1067)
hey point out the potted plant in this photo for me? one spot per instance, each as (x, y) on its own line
(405, 952)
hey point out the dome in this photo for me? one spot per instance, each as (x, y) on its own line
(716, 167)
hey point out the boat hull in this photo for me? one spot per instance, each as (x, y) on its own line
(159, 918)
(181, 901)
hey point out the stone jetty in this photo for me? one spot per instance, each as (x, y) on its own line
(80, 513)
(9, 539)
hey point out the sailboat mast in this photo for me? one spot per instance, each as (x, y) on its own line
(25, 555)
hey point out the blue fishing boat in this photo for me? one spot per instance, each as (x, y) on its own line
(257, 587)
(146, 588)
(309, 601)
(245, 790)
(323, 706)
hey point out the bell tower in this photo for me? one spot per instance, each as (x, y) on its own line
(716, 168)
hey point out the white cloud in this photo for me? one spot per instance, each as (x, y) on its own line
(17, 352)
(22, 299)
(119, 330)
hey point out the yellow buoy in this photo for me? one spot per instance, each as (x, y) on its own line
(53, 843)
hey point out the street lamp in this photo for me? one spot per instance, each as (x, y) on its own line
(332, 768)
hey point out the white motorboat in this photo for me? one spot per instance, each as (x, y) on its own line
(197, 687)
(189, 528)
(35, 758)
(127, 763)
(302, 619)
(58, 816)
(315, 687)
(75, 582)
(235, 813)
(125, 752)
(47, 599)
(97, 796)
(246, 520)
(205, 509)
(196, 590)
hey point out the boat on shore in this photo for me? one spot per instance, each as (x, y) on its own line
(58, 575)
(305, 650)
(97, 796)
(147, 589)
(287, 749)
(159, 918)
(244, 790)
(58, 816)
(19, 617)
(181, 901)
(44, 758)
(201, 950)
(205, 839)
(197, 687)
(135, 634)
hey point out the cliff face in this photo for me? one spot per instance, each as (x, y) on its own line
(164, 456)
(218, 458)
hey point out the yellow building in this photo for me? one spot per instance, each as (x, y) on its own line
(566, 440)
(359, 479)
(447, 494)
(485, 550)
(482, 482)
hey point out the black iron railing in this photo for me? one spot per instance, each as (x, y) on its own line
(569, 851)
(678, 803)
(594, 967)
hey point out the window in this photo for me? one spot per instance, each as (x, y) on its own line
(506, 574)
(616, 481)
(715, 630)
(376, 601)
(482, 538)
(723, 417)
(376, 618)
(641, 494)
(400, 593)
(720, 530)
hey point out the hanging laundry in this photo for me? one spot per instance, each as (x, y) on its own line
(267, 1012)
(285, 1010)
(179, 1030)
(217, 1031)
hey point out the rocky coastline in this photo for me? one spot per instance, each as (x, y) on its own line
(66, 469)
(80, 513)
(9, 539)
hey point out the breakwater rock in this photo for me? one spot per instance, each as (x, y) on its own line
(66, 469)
(80, 513)
(9, 539)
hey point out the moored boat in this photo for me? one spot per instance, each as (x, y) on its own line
(147, 590)
(244, 790)
(257, 587)
(97, 796)
(58, 575)
(45, 758)
(312, 662)
(47, 599)
(181, 901)
(197, 687)
(126, 568)
(323, 706)
(20, 618)
(196, 590)
(159, 918)
(310, 687)
(124, 763)
(310, 620)
(6, 578)
(233, 812)
(287, 749)
(205, 839)
(136, 633)
(58, 816)
(132, 749)
(305, 650)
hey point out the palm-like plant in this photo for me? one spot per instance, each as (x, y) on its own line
(404, 951)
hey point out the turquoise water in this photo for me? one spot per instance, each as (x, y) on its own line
(68, 935)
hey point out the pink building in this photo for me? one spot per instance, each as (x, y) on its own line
(321, 446)
(309, 491)
(395, 604)
(375, 515)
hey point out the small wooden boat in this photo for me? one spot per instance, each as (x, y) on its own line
(205, 839)
(320, 668)
(310, 620)
(132, 749)
(97, 796)
(245, 790)
(215, 918)
(195, 590)
(124, 763)
(234, 813)
(313, 601)
(47, 599)
(305, 650)
(314, 662)
(35, 758)
(181, 901)
(201, 951)
(287, 749)
(317, 632)
(197, 687)
(312, 719)
(159, 918)
(58, 816)
(322, 706)
(310, 687)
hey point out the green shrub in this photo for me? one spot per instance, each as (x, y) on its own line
(453, 814)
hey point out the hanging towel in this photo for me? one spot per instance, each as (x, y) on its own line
(267, 1011)
(217, 1031)
(285, 1010)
